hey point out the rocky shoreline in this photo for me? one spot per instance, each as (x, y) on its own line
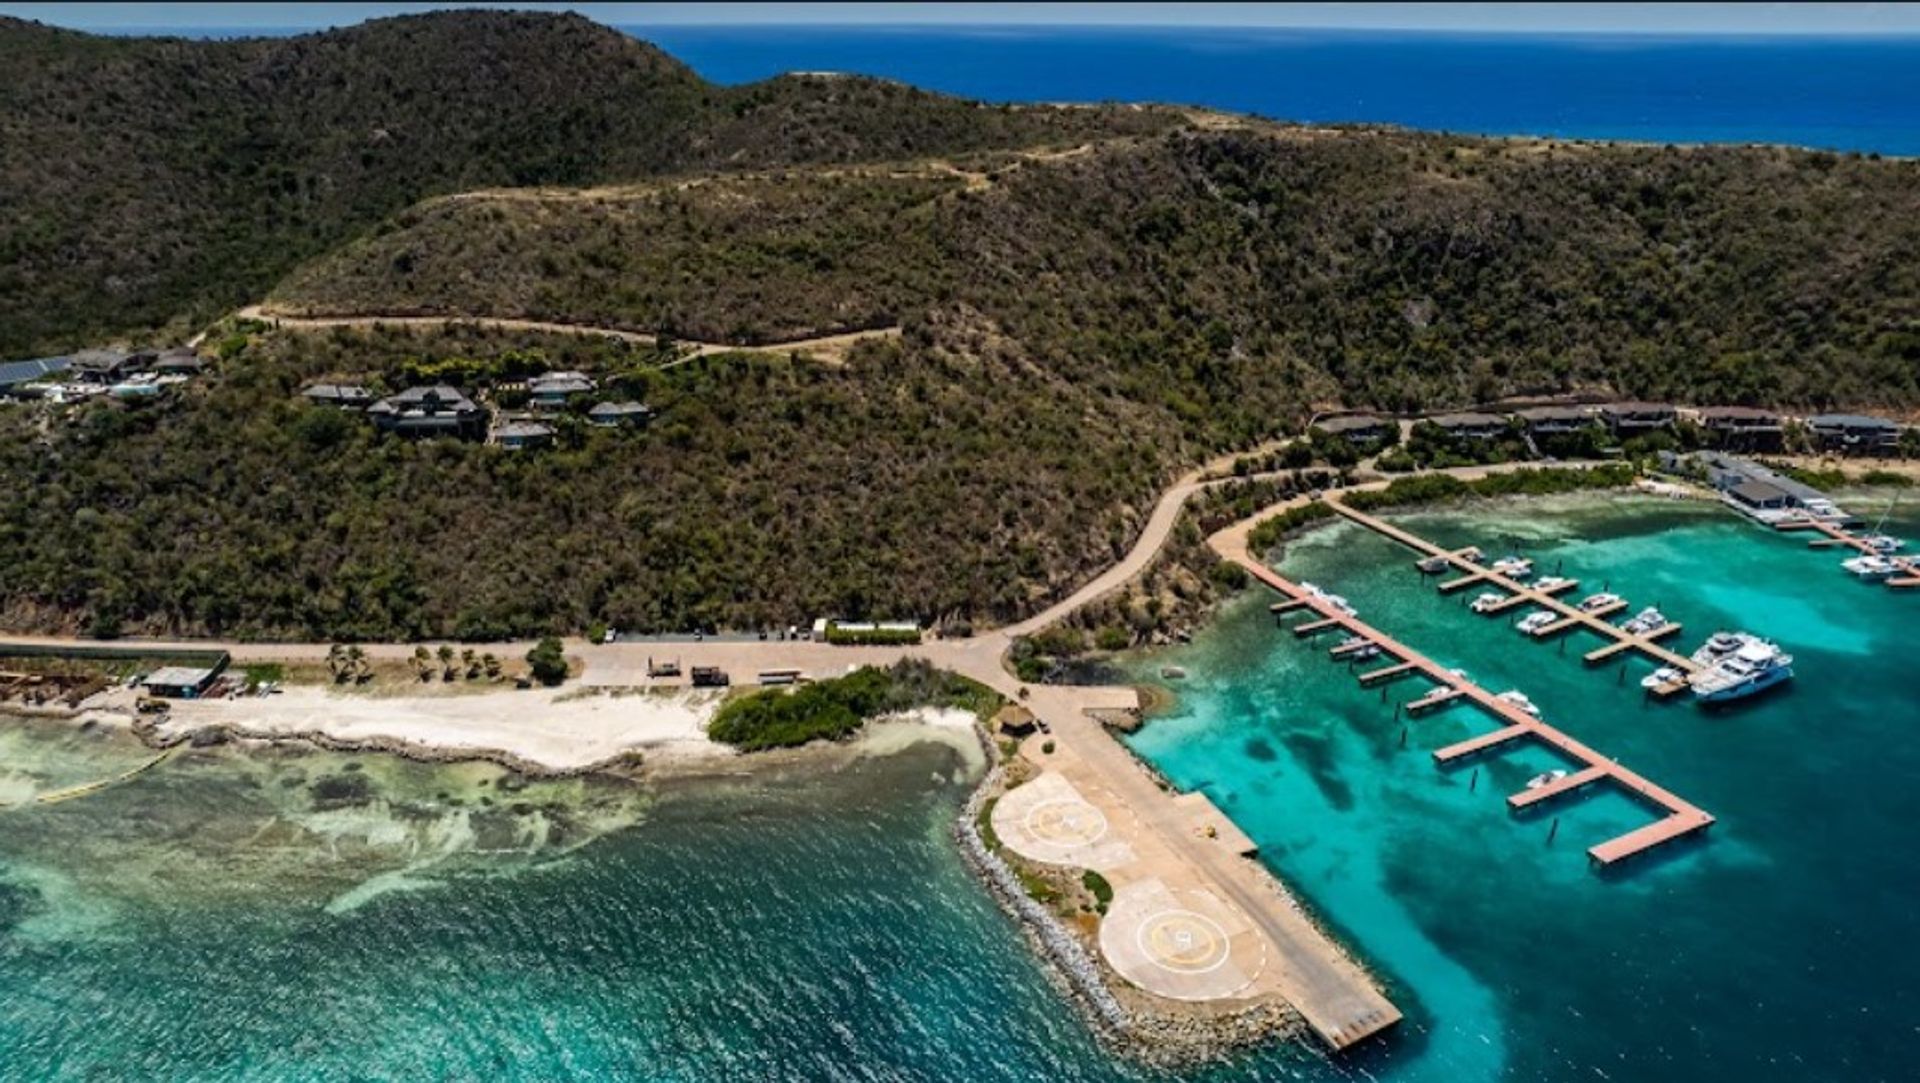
(1168, 1037)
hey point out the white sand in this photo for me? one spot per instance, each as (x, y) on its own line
(562, 731)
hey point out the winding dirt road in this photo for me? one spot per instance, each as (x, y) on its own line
(826, 347)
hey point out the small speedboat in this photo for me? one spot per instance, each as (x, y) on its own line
(1595, 602)
(1513, 567)
(1883, 543)
(1486, 602)
(1536, 622)
(1434, 565)
(1644, 621)
(1870, 567)
(1545, 778)
(1519, 699)
(1552, 583)
(1173, 673)
(1661, 678)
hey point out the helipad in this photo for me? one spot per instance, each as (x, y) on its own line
(1182, 944)
(1049, 820)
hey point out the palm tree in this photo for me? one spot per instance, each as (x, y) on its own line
(422, 662)
(337, 663)
(492, 665)
(469, 664)
(358, 665)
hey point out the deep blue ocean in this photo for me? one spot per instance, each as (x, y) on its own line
(1844, 93)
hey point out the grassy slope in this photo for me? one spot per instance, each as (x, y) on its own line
(155, 182)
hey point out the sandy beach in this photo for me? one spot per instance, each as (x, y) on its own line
(561, 731)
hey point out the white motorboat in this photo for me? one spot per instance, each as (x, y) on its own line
(1486, 602)
(1883, 543)
(1545, 778)
(1644, 621)
(1536, 622)
(1332, 601)
(1513, 567)
(1758, 665)
(1661, 677)
(1595, 602)
(1553, 583)
(1870, 567)
(1519, 699)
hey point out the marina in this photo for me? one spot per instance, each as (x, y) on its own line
(1518, 594)
(1679, 819)
(1901, 573)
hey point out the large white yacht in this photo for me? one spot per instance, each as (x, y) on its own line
(1755, 667)
(1720, 645)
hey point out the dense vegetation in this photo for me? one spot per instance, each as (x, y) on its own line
(766, 493)
(152, 182)
(1228, 276)
(834, 709)
(1091, 301)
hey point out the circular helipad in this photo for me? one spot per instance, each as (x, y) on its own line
(1183, 941)
(1180, 943)
(1066, 822)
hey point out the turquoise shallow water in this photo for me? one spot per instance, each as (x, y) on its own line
(1783, 948)
(304, 915)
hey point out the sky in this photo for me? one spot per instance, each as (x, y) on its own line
(1738, 18)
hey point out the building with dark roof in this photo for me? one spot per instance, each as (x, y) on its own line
(1355, 428)
(521, 434)
(552, 390)
(438, 410)
(1470, 426)
(103, 366)
(610, 415)
(1854, 434)
(179, 361)
(1554, 420)
(1633, 418)
(1760, 494)
(344, 396)
(1744, 428)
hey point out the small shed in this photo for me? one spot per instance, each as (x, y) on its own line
(179, 682)
(1015, 720)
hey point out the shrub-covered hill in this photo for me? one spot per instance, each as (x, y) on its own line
(150, 181)
(1215, 273)
(767, 492)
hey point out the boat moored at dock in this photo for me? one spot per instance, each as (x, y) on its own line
(1757, 666)
(1603, 600)
(1870, 567)
(1513, 567)
(1536, 622)
(1487, 603)
(1644, 621)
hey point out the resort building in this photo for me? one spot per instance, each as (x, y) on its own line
(1355, 428)
(342, 396)
(611, 415)
(1761, 495)
(17, 378)
(103, 366)
(1014, 720)
(1630, 419)
(438, 410)
(178, 361)
(553, 390)
(520, 434)
(1554, 420)
(1854, 434)
(1743, 428)
(1470, 426)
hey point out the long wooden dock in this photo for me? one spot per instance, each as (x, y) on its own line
(1908, 576)
(1577, 780)
(1681, 818)
(1472, 572)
